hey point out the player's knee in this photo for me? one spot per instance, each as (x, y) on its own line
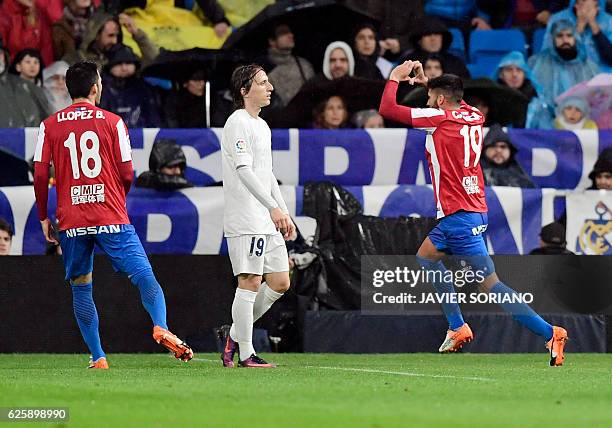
(426, 262)
(145, 275)
(249, 282)
(281, 286)
(82, 279)
(488, 283)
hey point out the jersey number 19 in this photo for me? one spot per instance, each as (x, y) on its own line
(472, 138)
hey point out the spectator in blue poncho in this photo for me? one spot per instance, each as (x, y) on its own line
(573, 113)
(513, 71)
(562, 62)
(463, 14)
(594, 25)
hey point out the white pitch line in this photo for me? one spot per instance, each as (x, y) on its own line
(355, 369)
(206, 360)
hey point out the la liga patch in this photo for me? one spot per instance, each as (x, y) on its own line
(241, 147)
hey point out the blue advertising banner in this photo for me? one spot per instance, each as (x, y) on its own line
(554, 159)
(190, 221)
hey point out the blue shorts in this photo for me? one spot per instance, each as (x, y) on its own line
(462, 234)
(119, 242)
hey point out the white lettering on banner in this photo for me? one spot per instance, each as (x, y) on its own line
(374, 198)
(511, 201)
(92, 230)
(391, 143)
(548, 204)
(31, 137)
(209, 204)
(287, 162)
(140, 157)
(589, 141)
(387, 144)
(208, 220)
(159, 227)
(336, 160)
(544, 162)
(209, 164)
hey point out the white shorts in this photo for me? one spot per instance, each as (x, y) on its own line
(258, 254)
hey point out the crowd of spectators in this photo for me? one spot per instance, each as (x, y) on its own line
(40, 39)
(35, 35)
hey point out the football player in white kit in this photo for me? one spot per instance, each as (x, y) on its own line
(256, 220)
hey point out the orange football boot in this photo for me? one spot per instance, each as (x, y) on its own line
(180, 349)
(100, 363)
(456, 338)
(556, 344)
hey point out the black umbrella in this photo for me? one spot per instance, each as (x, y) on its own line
(507, 106)
(314, 23)
(178, 66)
(359, 94)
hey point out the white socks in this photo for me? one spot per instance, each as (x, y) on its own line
(242, 314)
(256, 304)
(264, 301)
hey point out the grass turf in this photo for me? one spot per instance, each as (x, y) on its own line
(317, 390)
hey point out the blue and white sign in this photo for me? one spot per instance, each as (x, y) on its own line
(190, 221)
(555, 159)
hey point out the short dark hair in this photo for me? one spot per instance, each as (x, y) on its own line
(242, 77)
(6, 226)
(80, 77)
(450, 85)
(20, 56)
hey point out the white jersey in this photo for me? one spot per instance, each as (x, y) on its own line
(246, 141)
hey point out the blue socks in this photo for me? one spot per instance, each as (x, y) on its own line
(522, 313)
(152, 296)
(87, 318)
(86, 314)
(451, 310)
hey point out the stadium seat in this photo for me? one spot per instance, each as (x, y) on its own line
(491, 45)
(485, 68)
(537, 39)
(457, 47)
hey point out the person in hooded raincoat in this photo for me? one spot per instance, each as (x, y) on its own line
(593, 24)
(167, 164)
(513, 71)
(562, 62)
(573, 113)
(54, 86)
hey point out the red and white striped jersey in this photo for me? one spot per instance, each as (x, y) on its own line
(86, 145)
(453, 146)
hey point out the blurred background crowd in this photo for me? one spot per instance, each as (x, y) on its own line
(166, 63)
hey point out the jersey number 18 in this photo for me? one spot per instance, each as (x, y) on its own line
(87, 154)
